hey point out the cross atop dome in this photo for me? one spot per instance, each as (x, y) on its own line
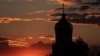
(63, 8)
(63, 12)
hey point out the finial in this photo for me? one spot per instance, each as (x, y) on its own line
(63, 8)
(63, 13)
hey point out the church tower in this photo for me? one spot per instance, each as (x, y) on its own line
(63, 30)
(63, 33)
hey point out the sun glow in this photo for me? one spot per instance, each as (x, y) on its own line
(26, 54)
(30, 53)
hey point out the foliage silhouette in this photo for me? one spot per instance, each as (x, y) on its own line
(3, 43)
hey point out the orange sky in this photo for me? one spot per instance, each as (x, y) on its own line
(28, 24)
(25, 22)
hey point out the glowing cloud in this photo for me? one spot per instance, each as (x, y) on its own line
(40, 11)
(36, 12)
(9, 19)
(41, 37)
(17, 43)
(51, 38)
(30, 37)
(67, 2)
(26, 19)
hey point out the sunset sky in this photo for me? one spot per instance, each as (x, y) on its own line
(28, 21)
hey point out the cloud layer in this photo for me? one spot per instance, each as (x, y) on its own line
(67, 2)
(81, 19)
(92, 20)
(93, 3)
(9, 19)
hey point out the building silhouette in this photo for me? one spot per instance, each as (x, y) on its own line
(63, 42)
(64, 46)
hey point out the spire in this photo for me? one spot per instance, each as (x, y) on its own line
(63, 8)
(63, 12)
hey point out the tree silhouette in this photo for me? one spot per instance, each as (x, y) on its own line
(81, 47)
(98, 54)
(3, 43)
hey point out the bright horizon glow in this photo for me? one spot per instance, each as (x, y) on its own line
(26, 52)
(32, 53)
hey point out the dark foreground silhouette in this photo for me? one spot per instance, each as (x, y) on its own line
(64, 46)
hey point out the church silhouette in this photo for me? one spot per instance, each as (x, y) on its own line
(63, 42)
(64, 46)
